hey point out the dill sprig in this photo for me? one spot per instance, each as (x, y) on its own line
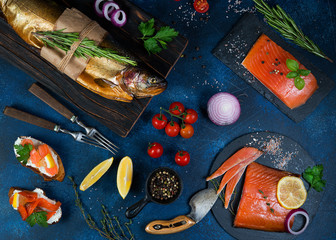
(108, 230)
(87, 48)
(221, 196)
(283, 23)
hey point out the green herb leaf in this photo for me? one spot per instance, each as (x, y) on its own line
(299, 83)
(38, 217)
(166, 34)
(314, 177)
(23, 152)
(261, 192)
(151, 43)
(152, 46)
(292, 75)
(292, 64)
(303, 72)
(147, 28)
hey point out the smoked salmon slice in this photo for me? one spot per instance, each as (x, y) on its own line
(238, 157)
(231, 185)
(267, 62)
(258, 207)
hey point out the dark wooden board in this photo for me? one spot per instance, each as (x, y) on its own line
(234, 47)
(120, 117)
(300, 160)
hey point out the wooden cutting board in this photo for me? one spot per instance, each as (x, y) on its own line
(120, 117)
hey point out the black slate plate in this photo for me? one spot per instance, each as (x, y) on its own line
(234, 47)
(297, 160)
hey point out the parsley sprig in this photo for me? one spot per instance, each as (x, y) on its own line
(155, 43)
(38, 217)
(23, 152)
(296, 73)
(314, 177)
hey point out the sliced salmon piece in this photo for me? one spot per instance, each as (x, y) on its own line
(50, 214)
(35, 157)
(29, 196)
(267, 62)
(43, 150)
(45, 204)
(234, 170)
(231, 186)
(30, 207)
(23, 212)
(27, 141)
(253, 210)
(238, 157)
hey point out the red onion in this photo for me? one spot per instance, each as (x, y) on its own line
(108, 8)
(223, 109)
(116, 20)
(289, 217)
(97, 8)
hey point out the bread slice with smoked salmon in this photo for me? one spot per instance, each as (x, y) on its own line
(40, 158)
(267, 62)
(34, 206)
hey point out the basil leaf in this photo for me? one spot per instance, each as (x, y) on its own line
(299, 83)
(292, 65)
(303, 72)
(292, 75)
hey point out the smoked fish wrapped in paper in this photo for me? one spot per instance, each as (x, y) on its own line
(109, 78)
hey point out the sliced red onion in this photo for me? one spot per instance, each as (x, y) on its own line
(118, 18)
(108, 8)
(98, 7)
(289, 217)
(223, 109)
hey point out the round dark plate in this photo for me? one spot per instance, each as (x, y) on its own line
(296, 161)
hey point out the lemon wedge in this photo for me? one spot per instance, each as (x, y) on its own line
(291, 192)
(95, 174)
(50, 161)
(124, 176)
(15, 200)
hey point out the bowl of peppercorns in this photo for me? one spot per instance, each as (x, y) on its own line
(163, 186)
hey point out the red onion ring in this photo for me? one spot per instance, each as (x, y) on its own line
(97, 4)
(223, 109)
(108, 8)
(289, 217)
(115, 18)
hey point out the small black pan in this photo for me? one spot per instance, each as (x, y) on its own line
(134, 210)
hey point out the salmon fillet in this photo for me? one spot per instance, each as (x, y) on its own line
(267, 62)
(253, 211)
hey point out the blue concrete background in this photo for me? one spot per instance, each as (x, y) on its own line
(192, 85)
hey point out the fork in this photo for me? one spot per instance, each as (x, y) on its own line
(40, 122)
(60, 108)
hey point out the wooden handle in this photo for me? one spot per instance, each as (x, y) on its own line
(51, 101)
(29, 118)
(175, 225)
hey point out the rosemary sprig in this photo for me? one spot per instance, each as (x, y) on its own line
(87, 48)
(283, 23)
(108, 231)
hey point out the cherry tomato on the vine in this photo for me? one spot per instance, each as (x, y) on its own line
(182, 158)
(176, 108)
(187, 131)
(159, 121)
(172, 129)
(155, 150)
(201, 6)
(191, 116)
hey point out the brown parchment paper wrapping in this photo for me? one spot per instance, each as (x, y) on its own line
(72, 20)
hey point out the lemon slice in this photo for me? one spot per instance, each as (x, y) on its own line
(95, 174)
(291, 192)
(16, 200)
(124, 176)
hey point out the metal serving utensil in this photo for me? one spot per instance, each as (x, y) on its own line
(200, 204)
(60, 108)
(40, 122)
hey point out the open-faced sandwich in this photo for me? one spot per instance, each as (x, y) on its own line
(40, 158)
(34, 207)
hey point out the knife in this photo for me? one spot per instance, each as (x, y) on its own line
(200, 204)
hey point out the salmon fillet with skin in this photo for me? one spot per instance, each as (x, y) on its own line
(253, 211)
(267, 62)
